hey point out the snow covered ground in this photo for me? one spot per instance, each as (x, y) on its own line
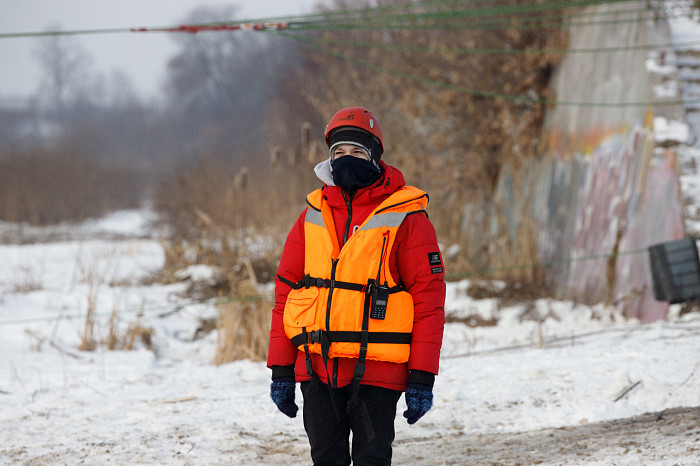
(549, 364)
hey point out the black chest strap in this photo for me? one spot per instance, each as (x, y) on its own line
(307, 281)
(338, 336)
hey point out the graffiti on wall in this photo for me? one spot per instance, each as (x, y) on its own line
(602, 209)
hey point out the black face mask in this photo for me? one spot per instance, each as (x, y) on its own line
(352, 173)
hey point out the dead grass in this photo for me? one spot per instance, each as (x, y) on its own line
(128, 339)
(88, 341)
(243, 330)
(44, 187)
(26, 280)
(243, 326)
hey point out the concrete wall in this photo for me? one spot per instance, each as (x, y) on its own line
(599, 194)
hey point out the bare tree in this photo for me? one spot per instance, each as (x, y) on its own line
(65, 67)
(221, 84)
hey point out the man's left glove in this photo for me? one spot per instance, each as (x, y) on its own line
(419, 400)
(282, 391)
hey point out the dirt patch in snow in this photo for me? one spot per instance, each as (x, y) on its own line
(670, 435)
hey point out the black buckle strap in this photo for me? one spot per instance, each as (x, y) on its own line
(309, 338)
(318, 336)
(308, 281)
(371, 287)
(359, 371)
(349, 336)
(289, 283)
(399, 338)
(309, 366)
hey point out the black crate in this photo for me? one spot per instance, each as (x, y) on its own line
(675, 270)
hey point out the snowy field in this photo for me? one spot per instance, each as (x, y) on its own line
(545, 365)
(551, 383)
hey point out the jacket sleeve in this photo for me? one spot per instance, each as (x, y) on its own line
(419, 264)
(281, 351)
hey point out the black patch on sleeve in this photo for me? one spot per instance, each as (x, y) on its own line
(435, 269)
(434, 258)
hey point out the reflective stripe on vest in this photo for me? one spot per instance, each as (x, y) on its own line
(387, 220)
(314, 217)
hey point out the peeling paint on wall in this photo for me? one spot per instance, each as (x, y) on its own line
(622, 201)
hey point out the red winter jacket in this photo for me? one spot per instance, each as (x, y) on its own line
(412, 260)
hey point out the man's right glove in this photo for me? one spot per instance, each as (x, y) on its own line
(282, 391)
(419, 400)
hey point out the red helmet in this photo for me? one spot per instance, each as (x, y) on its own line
(356, 117)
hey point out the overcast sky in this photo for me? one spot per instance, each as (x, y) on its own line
(142, 56)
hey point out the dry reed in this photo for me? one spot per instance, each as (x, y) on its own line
(243, 326)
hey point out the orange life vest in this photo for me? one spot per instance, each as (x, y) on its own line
(348, 304)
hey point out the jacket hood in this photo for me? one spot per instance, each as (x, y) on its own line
(391, 180)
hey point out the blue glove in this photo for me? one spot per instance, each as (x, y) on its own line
(282, 391)
(419, 400)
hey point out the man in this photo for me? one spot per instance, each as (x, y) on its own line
(360, 293)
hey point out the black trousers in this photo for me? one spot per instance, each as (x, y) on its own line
(328, 424)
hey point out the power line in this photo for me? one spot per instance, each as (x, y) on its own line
(413, 10)
(511, 22)
(525, 23)
(509, 16)
(507, 51)
(415, 14)
(77, 32)
(194, 28)
(404, 16)
(483, 93)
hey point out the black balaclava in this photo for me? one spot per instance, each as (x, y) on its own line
(352, 173)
